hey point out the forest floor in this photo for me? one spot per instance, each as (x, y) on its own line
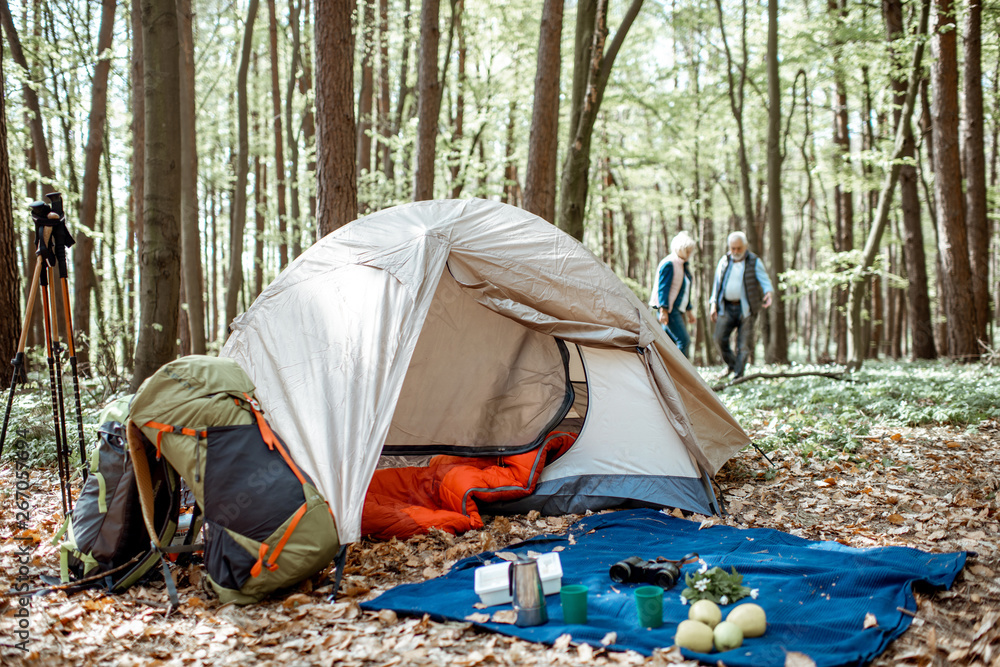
(932, 488)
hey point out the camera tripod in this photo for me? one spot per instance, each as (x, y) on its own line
(51, 240)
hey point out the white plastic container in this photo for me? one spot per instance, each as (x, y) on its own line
(492, 583)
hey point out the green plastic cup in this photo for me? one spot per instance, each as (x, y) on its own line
(574, 604)
(649, 603)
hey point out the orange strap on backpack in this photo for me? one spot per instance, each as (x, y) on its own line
(167, 428)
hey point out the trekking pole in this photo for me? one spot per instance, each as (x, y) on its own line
(47, 322)
(62, 240)
(52, 221)
(19, 374)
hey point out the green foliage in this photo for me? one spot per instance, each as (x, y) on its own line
(714, 584)
(31, 415)
(820, 416)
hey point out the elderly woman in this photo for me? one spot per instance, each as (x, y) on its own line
(672, 293)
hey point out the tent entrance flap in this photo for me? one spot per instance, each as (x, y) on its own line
(478, 383)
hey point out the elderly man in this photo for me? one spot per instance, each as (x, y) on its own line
(740, 289)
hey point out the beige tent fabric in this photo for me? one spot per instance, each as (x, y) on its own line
(330, 342)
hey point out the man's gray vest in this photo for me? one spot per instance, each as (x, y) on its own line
(755, 293)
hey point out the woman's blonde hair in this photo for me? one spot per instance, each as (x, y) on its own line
(682, 242)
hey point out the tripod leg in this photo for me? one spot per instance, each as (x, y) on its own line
(47, 320)
(18, 360)
(76, 375)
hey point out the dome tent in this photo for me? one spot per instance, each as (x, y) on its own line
(474, 328)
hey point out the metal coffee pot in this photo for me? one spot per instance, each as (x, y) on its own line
(526, 591)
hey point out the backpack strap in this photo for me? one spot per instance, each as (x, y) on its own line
(140, 465)
(271, 561)
(168, 428)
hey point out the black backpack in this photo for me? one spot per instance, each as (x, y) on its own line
(105, 534)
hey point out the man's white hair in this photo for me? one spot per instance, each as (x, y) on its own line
(682, 242)
(737, 236)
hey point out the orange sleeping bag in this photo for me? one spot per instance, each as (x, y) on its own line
(403, 502)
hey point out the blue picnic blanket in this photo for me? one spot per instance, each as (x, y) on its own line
(816, 594)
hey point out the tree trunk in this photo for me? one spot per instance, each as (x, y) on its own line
(10, 278)
(279, 157)
(260, 206)
(309, 122)
(403, 93)
(383, 152)
(190, 233)
(857, 348)
(843, 195)
(543, 144)
(366, 93)
(953, 241)
(596, 71)
(133, 245)
(83, 264)
(778, 349)
(160, 262)
(428, 100)
(295, 211)
(736, 103)
(974, 158)
(239, 206)
(511, 188)
(30, 96)
(918, 301)
(337, 185)
(457, 176)
(609, 252)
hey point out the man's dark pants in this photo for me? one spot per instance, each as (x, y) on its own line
(730, 318)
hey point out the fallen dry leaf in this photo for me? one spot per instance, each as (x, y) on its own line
(870, 621)
(296, 600)
(505, 616)
(478, 618)
(796, 659)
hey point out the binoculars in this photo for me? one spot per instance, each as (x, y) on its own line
(660, 572)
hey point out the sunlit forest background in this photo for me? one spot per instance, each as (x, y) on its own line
(679, 141)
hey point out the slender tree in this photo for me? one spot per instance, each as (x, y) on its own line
(778, 348)
(974, 161)
(918, 301)
(736, 104)
(593, 66)
(384, 151)
(543, 144)
(160, 262)
(428, 100)
(239, 213)
(294, 205)
(279, 158)
(10, 279)
(842, 191)
(337, 188)
(366, 92)
(35, 120)
(857, 345)
(83, 252)
(194, 307)
(952, 239)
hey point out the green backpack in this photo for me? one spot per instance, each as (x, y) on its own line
(266, 526)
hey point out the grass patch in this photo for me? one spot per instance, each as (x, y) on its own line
(822, 416)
